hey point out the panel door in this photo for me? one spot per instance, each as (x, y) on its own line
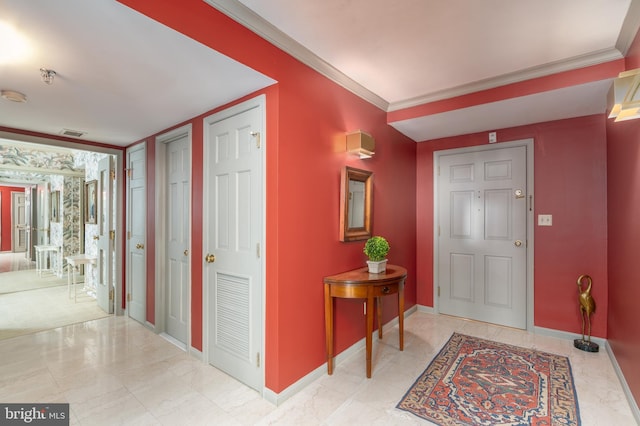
(233, 215)
(482, 241)
(178, 242)
(136, 234)
(105, 293)
(19, 219)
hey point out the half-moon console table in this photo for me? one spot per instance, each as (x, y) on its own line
(360, 284)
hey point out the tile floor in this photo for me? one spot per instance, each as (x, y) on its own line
(115, 371)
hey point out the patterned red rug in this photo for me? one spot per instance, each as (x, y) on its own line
(479, 382)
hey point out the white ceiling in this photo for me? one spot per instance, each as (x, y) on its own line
(122, 76)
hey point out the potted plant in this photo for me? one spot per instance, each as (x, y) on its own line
(376, 249)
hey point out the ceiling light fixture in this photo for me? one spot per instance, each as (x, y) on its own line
(623, 100)
(47, 75)
(361, 144)
(13, 96)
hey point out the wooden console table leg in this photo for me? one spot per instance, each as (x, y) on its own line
(379, 303)
(401, 315)
(370, 302)
(328, 321)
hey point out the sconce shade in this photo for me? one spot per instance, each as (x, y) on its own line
(361, 144)
(623, 100)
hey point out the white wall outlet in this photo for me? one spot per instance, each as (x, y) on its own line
(545, 220)
(493, 137)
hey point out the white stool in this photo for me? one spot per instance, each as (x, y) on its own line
(72, 262)
(43, 253)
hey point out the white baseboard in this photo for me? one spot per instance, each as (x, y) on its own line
(197, 354)
(174, 341)
(426, 309)
(279, 398)
(625, 386)
(565, 335)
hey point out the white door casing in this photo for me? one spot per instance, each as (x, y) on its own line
(105, 290)
(19, 222)
(173, 235)
(136, 233)
(234, 154)
(483, 233)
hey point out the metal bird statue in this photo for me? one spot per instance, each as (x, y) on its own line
(587, 307)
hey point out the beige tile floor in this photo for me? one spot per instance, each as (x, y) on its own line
(115, 371)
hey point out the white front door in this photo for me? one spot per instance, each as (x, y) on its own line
(482, 243)
(233, 212)
(105, 293)
(19, 222)
(177, 277)
(136, 233)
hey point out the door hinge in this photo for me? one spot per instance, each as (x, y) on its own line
(112, 235)
(258, 359)
(128, 235)
(257, 136)
(128, 297)
(111, 294)
(258, 250)
(128, 172)
(112, 173)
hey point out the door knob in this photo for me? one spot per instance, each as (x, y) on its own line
(518, 243)
(186, 252)
(96, 237)
(210, 258)
(139, 246)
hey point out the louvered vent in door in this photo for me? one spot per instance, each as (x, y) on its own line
(232, 314)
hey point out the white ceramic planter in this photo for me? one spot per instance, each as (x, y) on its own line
(377, 267)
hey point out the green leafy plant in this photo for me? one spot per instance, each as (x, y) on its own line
(376, 248)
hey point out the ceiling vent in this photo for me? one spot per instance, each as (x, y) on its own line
(72, 133)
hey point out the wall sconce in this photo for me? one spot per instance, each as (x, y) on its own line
(623, 100)
(361, 144)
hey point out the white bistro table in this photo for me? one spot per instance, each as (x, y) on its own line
(72, 262)
(44, 254)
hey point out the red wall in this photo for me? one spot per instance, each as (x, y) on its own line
(7, 234)
(623, 177)
(570, 184)
(307, 117)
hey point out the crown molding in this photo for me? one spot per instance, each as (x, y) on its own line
(629, 28)
(582, 61)
(254, 22)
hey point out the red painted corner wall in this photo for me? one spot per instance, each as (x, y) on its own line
(623, 157)
(5, 216)
(570, 184)
(623, 179)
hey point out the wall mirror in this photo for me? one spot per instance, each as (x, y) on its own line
(356, 192)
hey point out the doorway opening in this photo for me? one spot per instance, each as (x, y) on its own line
(48, 181)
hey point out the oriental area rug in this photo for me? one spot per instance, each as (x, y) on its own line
(479, 382)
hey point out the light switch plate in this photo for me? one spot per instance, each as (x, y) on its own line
(545, 220)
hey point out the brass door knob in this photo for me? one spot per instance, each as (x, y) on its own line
(96, 237)
(139, 246)
(518, 243)
(210, 258)
(186, 252)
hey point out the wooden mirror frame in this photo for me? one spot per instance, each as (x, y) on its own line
(348, 175)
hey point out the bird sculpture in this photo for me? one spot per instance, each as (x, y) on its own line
(587, 304)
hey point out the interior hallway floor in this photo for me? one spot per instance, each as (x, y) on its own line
(116, 371)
